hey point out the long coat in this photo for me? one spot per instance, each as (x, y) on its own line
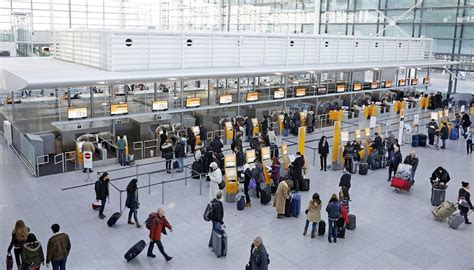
(280, 197)
(314, 211)
(216, 178)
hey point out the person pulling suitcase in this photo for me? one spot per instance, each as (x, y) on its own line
(464, 201)
(157, 223)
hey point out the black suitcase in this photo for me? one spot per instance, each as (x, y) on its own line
(363, 168)
(175, 164)
(305, 184)
(241, 203)
(288, 208)
(265, 196)
(415, 140)
(437, 196)
(135, 250)
(197, 169)
(352, 222)
(321, 228)
(113, 219)
(341, 232)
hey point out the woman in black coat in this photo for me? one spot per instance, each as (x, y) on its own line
(163, 138)
(323, 150)
(464, 201)
(132, 202)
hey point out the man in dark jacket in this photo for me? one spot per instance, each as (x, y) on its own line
(236, 143)
(58, 249)
(378, 143)
(412, 160)
(348, 154)
(286, 125)
(216, 145)
(394, 159)
(180, 154)
(345, 179)
(102, 192)
(264, 125)
(323, 150)
(297, 169)
(465, 122)
(217, 216)
(203, 134)
(432, 127)
(444, 134)
(440, 177)
(249, 128)
(259, 259)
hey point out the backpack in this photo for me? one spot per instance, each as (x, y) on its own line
(208, 213)
(148, 221)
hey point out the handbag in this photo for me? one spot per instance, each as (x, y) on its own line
(221, 184)
(462, 202)
(9, 262)
(252, 183)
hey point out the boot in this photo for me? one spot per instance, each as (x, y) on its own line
(130, 222)
(138, 225)
(313, 234)
(305, 230)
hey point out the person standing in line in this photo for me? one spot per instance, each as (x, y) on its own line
(465, 122)
(167, 153)
(192, 140)
(444, 134)
(275, 171)
(88, 146)
(282, 194)
(344, 197)
(323, 150)
(348, 154)
(121, 145)
(32, 255)
(333, 209)
(259, 258)
(412, 160)
(19, 236)
(216, 145)
(58, 249)
(203, 134)
(180, 154)
(286, 125)
(163, 139)
(464, 201)
(102, 192)
(297, 169)
(468, 137)
(247, 176)
(394, 159)
(217, 216)
(345, 180)
(310, 122)
(158, 223)
(264, 125)
(215, 177)
(313, 214)
(432, 127)
(132, 202)
(237, 142)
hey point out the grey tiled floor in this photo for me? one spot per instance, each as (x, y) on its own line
(394, 230)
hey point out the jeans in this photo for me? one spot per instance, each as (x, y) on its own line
(313, 229)
(246, 192)
(286, 131)
(102, 206)
(444, 143)
(168, 165)
(413, 176)
(160, 247)
(181, 164)
(469, 146)
(133, 211)
(60, 264)
(121, 157)
(332, 231)
(216, 226)
(431, 138)
(390, 170)
(324, 161)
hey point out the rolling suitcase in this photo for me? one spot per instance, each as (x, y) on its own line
(113, 219)
(363, 168)
(422, 142)
(354, 165)
(305, 184)
(197, 169)
(219, 243)
(444, 210)
(241, 202)
(321, 228)
(295, 204)
(265, 195)
(135, 250)
(288, 208)
(454, 221)
(415, 140)
(175, 164)
(341, 232)
(400, 183)
(454, 134)
(352, 222)
(437, 196)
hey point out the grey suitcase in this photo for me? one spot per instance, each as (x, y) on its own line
(444, 210)
(219, 243)
(454, 221)
(352, 222)
(437, 196)
(354, 165)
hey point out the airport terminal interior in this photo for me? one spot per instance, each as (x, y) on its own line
(236, 134)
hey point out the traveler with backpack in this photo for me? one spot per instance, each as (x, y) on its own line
(167, 152)
(217, 216)
(132, 202)
(58, 250)
(157, 224)
(334, 210)
(464, 201)
(282, 194)
(215, 177)
(313, 214)
(19, 236)
(121, 148)
(102, 192)
(32, 256)
(323, 150)
(259, 258)
(180, 154)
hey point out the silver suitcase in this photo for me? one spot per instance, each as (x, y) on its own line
(219, 243)
(454, 221)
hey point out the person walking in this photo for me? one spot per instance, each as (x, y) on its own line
(282, 194)
(121, 145)
(32, 256)
(180, 154)
(217, 216)
(345, 180)
(464, 201)
(259, 258)
(167, 152)
(102, 192)
(297, 171)
(19, 235)
(313, 214)
(88, 146)
(215, 177)
(158, 223)
(432, 127)
(132, 202)
(394, 159)
(468, 137)
(323, 150)
(444, 134)
(333, 209)
(412, 160)
(58, 248)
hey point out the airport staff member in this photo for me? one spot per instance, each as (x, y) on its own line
(87, 146)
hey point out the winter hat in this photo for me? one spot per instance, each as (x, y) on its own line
(213, 165)
(31, 238)
(465, 184)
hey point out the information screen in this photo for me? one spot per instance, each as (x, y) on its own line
(387, 84)
(252, 96)
(426, 80)
(374, 85)
(340, 88)
(117, 109)
(76, 113)
(193, 102)
(322, 90)
(300, 92)
(357, 86)
(279, 94)
(225, 99)
(160, 105)
(414, 81)
(402, 82)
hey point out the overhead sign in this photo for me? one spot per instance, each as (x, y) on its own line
(414, 81)
(279, 94)
(416, 119)
(300, 92)
(374, 85)
(387, 83)
(193, 102)
(344, 136)
(357, 133)
(357, 86)
(402, 82)
(340, 88)
(426, 80)
(76, 113)
(160, 105)
(252, 96)
(87, 160)
(120, 108)
(225, 99)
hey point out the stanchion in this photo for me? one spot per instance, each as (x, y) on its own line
(149, 184)
(185, 176)
(200, 186)
(162, 192)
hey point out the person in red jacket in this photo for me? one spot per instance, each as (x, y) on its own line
(158, 223)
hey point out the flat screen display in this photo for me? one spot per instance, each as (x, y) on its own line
(426, 80)
(76, 113)
(300, 92)
(118, 109)
(374, 85)
(414, 81)
(340, 88)
(193, 102)
(252, 96)
(322, 90)
(387, 84)
(279, 94)
(160, 105)
(357, 86)
(402, 82)
(225, 99)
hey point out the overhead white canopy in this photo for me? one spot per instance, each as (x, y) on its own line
(36, 73)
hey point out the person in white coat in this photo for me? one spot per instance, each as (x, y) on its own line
(216, 177)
